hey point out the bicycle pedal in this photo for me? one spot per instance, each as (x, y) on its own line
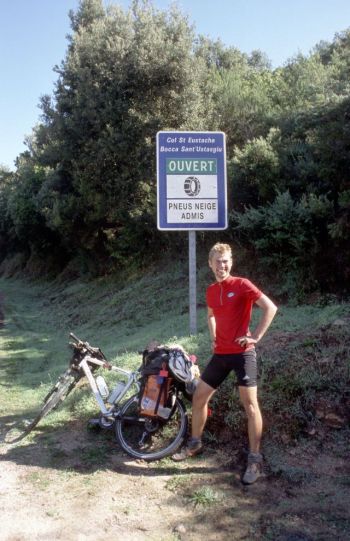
(94, 423)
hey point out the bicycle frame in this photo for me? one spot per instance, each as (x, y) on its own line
(132, 379)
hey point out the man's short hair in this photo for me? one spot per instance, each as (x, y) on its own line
(220, 248)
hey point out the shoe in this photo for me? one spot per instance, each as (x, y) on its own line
(192, 448)
(254, 469)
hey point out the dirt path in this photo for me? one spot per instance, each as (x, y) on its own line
(124, 499)
(75, 485)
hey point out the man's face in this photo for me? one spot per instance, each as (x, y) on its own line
(221, 265)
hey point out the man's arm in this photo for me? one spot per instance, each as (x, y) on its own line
(269, 310)
(212, 326)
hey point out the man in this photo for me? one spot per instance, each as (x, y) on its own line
(230, 300)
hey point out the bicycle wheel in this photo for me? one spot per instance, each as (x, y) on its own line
(150, 438)
(64, 385)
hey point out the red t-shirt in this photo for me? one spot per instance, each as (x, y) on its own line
(231, 301)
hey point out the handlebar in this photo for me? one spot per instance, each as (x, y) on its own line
(86, 345)
(74, 337)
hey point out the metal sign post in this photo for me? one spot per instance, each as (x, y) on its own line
(192, 281)
(191, 190)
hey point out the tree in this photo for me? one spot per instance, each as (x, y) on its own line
(126, 76)
(289, 235)
(256, 171)
(240, 86)
(6, 187)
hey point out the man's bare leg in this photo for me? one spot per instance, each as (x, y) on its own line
(249, 400)
(200, 400)
(201, 397)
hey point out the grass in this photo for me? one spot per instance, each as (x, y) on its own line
(177, 483)
(122, 318)
(204, 496)
(39, 479)
(39, 317)
(307, 317)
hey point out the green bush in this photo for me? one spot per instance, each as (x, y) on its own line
(288, 236)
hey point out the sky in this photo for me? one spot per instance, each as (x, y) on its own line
(33, 39)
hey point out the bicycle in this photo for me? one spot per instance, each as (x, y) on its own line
(140, 436)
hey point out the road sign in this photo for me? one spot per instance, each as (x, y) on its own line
(191, 180)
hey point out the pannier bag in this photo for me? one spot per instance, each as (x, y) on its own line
(156, 399)
(162, 367)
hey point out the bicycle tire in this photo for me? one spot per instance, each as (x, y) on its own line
(150, 438)
(59, 392)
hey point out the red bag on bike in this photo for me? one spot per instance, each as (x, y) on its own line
(155, 397)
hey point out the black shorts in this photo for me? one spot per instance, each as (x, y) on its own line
(220, 365)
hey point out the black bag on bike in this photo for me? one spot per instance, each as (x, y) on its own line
(154, 361)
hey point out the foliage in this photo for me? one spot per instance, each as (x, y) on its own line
(289, 235)
(204, 496)
(126, 75)
(240, 93)
(292, 203)
(256, 170)
(6, 183)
